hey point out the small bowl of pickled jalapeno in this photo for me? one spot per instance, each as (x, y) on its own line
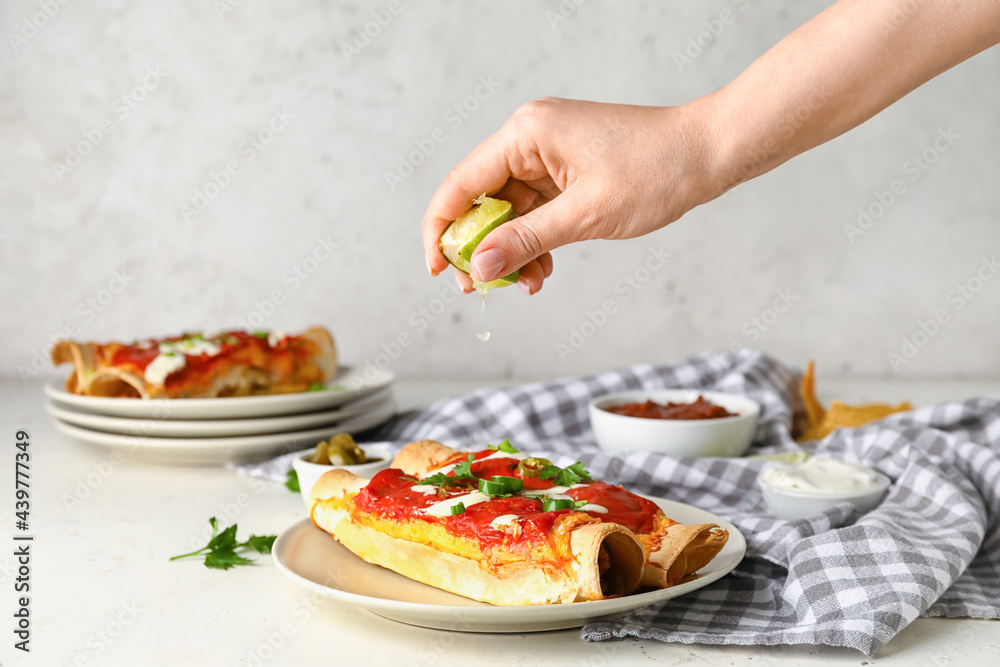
(340, 451)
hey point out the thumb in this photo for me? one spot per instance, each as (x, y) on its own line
(513, 244)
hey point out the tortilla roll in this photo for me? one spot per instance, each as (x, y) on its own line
(604, 560)
(673, 551)
(251, 365)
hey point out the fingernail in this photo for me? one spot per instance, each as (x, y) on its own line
(429, 269)
(524, 286)
(488, 264)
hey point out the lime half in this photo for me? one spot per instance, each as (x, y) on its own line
(464, 235)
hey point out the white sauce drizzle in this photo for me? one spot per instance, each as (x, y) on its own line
(162, 366)
(171, 358)
(504, 455)
(555, 491)
(821, 476)
(592, 507)
(504, 520)
(443, 508)
(275, 337)
(426, 489)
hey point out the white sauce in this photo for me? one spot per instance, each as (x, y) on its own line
(162, 366)
(275, 337)
(426, 489)
(192, 347)
(821, 476)
(443, 508)
(504, 455)
(171, 358)
(591, 507)
(554, 492)
(504, 520)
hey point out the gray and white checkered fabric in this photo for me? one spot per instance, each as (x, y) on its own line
(932, 548)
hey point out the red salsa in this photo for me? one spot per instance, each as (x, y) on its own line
(700, 409)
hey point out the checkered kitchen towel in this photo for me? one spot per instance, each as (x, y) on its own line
(932, 548)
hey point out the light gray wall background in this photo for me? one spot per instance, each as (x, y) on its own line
(227, 67)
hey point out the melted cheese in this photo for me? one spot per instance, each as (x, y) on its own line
(591, 507)
(426, 489)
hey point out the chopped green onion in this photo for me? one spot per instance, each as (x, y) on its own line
(260, 334)
(457, 509)
(490, 488)
(500, 486)
(556, 504)
(317, 386)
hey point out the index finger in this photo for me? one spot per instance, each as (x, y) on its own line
(485, 169)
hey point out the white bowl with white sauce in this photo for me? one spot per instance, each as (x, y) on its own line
(798, 490)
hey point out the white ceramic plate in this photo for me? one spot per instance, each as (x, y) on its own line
(218, 451)
(218, 428)
(350, 384)
(313, 559)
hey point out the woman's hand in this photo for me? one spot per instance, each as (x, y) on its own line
(582, 170)
(575, 171)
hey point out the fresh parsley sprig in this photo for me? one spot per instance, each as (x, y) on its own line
(461, 473)
(292, 483)
(222, 547)
(568, 476)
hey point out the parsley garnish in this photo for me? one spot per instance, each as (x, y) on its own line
(568, 476)
(462, 472)
(293, 481)
(223, 546)
(317, 386)
(464, 469)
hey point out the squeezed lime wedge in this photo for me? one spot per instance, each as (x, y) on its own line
(464, 235)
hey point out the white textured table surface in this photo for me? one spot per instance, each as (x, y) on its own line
(103, 592)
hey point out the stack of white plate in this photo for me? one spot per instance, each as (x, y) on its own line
(214, 431)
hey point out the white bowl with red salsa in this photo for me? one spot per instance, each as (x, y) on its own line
(677, 422)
